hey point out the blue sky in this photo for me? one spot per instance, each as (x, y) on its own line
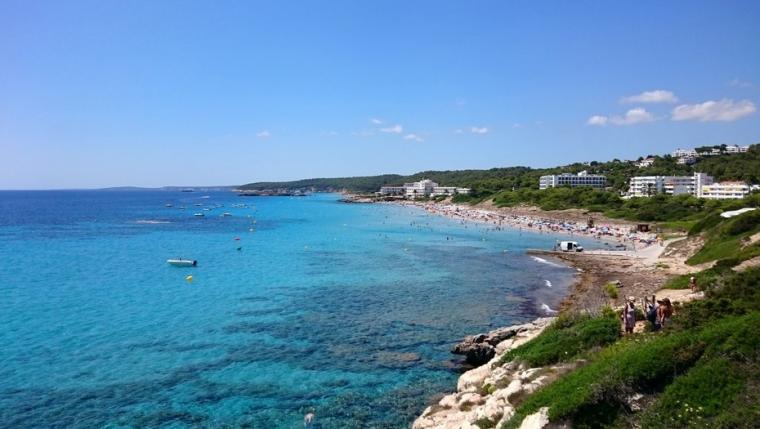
(152, 93)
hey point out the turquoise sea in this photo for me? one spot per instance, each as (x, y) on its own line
(348, 309)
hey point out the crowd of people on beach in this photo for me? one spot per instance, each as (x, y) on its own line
(620, 233)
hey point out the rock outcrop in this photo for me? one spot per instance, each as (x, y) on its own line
(481, 348)
(490, 391)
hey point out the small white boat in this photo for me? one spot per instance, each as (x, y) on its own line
(169, 205)
(227, 214)
(182, 262)
(199, 215)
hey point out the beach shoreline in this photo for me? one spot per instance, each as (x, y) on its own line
(636, 271)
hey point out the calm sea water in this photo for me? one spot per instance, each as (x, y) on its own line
(347, 309)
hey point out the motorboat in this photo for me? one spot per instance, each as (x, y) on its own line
(199, 215)
(226, 214)
(182, 262)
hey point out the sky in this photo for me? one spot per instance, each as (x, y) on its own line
(153, 93)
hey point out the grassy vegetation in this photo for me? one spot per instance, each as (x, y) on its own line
(705, 279)
(702, 395)
(567, 338)
(725, 239)
(702, 371)
(611, 290)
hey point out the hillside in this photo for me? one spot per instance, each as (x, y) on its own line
(486, 183)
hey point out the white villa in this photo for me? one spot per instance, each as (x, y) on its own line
(423, 188)
(572, 180)
(699, 185)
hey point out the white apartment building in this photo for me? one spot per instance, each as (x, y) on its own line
(440, 191)
(392, 190)
(645, 186)
(645, 163)
(687, 160)
(679, 153)
(735, 148)
(725, 190)
(421, 189)
(699, 185)
(572, 180)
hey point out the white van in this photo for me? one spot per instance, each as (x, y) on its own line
(570, 246)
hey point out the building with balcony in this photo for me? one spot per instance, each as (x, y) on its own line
(699, 185)
(422, 189)
(572, 180)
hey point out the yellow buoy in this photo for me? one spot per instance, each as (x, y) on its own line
(189, 278)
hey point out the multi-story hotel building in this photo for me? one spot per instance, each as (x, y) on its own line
(421, 189)
(699, 185)
(572, 180)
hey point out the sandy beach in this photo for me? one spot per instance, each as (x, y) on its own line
(573, 223)
(639, 263)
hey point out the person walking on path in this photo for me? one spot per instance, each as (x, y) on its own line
(629, 315)
(664, 312)
(693, 284)
(651, 312)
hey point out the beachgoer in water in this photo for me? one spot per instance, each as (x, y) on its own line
(693, 284)
(664, 312)
(308, 420)
(629, 315)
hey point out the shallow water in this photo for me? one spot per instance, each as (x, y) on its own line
(348, 309)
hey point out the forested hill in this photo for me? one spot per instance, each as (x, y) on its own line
(743, 166)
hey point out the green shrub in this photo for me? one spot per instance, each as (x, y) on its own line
(726, 240)
(485, 423)
(697, 397)
(738, 294)
(611, 290)
(567, 338)
(706, 279)
(646, 363)
(743, 223)
(705, 223)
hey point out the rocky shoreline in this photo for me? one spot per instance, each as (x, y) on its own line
(488, 393)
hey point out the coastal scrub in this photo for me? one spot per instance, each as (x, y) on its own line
(567, 338)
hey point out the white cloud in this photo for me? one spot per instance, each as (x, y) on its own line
(724, 110)
(396, 129)
(736, 82)
(634, 116)
(479, 130)
(517, 125)
(376, 121)
(458, 131)
(414, 137)
(656, 96)
(598, 120)
(265, 134)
